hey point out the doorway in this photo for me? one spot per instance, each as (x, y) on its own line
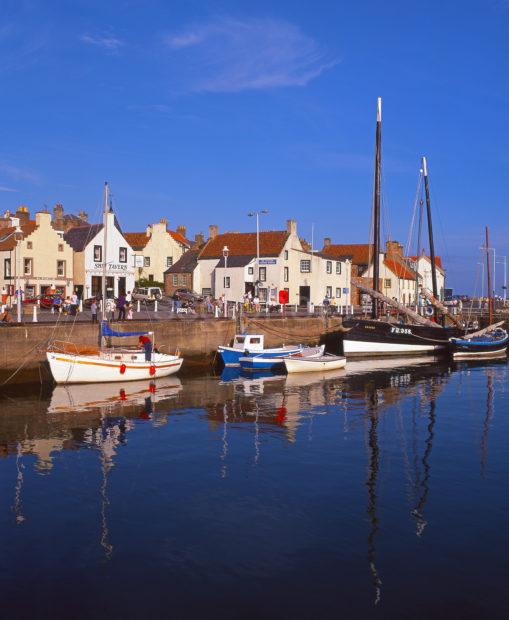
(304, 295)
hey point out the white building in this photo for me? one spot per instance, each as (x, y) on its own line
(422, 265)
(88, 245)
(227, 265)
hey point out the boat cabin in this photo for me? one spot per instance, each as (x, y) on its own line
(249, 342)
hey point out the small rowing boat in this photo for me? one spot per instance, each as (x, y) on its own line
(276, 362)
(322, 363)
(491, 344)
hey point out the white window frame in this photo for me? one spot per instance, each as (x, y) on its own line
(7, 269)
(184, 279)
(305, 263)
(262, 274)
(286, 254)
(30, 263)
(338, 268)
(286, 274)
(122, 250)
(61, 275)
(175, 280)
(328, 292)
(146, 261)
(329, 266)
(169, 262)
(338, 292)
(226, 282)
(98, 249)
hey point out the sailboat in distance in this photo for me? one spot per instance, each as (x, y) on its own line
(375, 336)
(73, 363)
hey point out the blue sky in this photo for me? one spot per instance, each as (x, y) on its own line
(201, 111)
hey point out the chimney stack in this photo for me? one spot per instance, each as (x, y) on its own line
(181, 229)
(83, 216)
(23, 214)
(213, 231)
(198, 240)
(58, 217)
(149, 230)
(394, 247)
(291, 227)
(326, 242)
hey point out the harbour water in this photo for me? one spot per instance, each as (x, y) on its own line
(376, 492)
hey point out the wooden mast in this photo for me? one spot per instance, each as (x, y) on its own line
(376, 208)
(430, 231)
(490, 298)
(105, 248)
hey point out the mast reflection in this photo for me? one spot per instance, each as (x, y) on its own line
(490, 394)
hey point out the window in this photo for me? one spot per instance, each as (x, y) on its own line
(226, 282)
(122, 255)
(30, 245)
(338, 268)
(250, 271)
(305, 266)
(286, 254)
(150, 277)
(263, 274)
(7, 268)
(27, 266)
(328, 292)
(169, 261)
(286, 275)
(146, 261)
(61, 268)
(60, 247)
(175, 280)
(329, 266)
(206, 291)
(387, 283)
(338, 292)
(98, 253)
(184, 280)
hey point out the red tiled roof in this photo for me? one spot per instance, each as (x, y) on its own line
(244, 244)
(399, 269)
(438, 260)
(360, 252)
(137, 240)
(9, 244)
(179, 238)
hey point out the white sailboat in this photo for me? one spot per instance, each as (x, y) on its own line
(72, 363)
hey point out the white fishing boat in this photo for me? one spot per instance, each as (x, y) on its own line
(322, 363)
(72, 363)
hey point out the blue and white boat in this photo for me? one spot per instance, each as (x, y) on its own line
(246, 344)
(491, 343)
(273, 361)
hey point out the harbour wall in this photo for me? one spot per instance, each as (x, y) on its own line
(22, 347)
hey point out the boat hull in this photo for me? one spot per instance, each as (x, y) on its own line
(479, 347)
(231, 356)
(295, 365)
(71, 368)
(369, 337)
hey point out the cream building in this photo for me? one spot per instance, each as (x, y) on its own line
(157, 249)
(42, 259)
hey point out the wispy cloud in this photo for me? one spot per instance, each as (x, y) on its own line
(19, 174)
(107, 41)
(7, 189)
(231, 55)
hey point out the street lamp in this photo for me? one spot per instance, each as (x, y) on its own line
(503, 261)
(225, 256)
(257, 214)
(18, 236)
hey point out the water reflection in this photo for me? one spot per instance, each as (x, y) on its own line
(266, 445)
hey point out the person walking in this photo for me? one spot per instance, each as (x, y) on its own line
(146, 344)
(93, 308)
(74, 304)
(121, 302)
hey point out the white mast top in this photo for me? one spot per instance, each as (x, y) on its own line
(105, 246)
(424, 167)
(379, 110)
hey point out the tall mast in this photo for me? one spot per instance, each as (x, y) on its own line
(490, 298)
(430, 231)
(376, 207)
(105, 246)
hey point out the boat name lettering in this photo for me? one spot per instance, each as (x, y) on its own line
(401, 330)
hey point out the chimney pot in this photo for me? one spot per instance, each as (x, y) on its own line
(213, 231)
(291, 227)
(326, 242)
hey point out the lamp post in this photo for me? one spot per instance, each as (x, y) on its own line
(257, 215)
(18, 236)
(225, 255)
(503, 261)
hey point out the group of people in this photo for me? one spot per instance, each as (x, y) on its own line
(65, 305)
(123, 305)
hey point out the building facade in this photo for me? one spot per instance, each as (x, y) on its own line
(88, 245)
(41, 259)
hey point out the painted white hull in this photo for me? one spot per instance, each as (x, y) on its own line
(363, 347)
(459, 355)
(294, 365)
(108, 367)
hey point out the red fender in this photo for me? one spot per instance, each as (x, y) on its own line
(152, 371)
(122, 394)
(152, 388)
(123, 368)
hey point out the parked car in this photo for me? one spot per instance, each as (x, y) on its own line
(188, 295)
(149, 293)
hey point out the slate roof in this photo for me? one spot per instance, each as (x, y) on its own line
(186, 263)
(244, 244)
(359, 253)
(235, 261)
(80, 236)
(7, 245)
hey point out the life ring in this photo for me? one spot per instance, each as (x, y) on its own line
(123, 368)
(429, 311)
(152, 370)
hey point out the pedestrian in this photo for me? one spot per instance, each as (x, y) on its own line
(129, 297)
(74, 304)
(256, 303)
(121, 302)
(93, 309)
(130, 312)
(110, 309)
(146, 344)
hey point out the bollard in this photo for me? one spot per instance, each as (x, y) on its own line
(138, 306)
(155, 305)
(234, 314)
(34, 320)
(216, 312)
(81, 305)
(282, 308)
(296, 308)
